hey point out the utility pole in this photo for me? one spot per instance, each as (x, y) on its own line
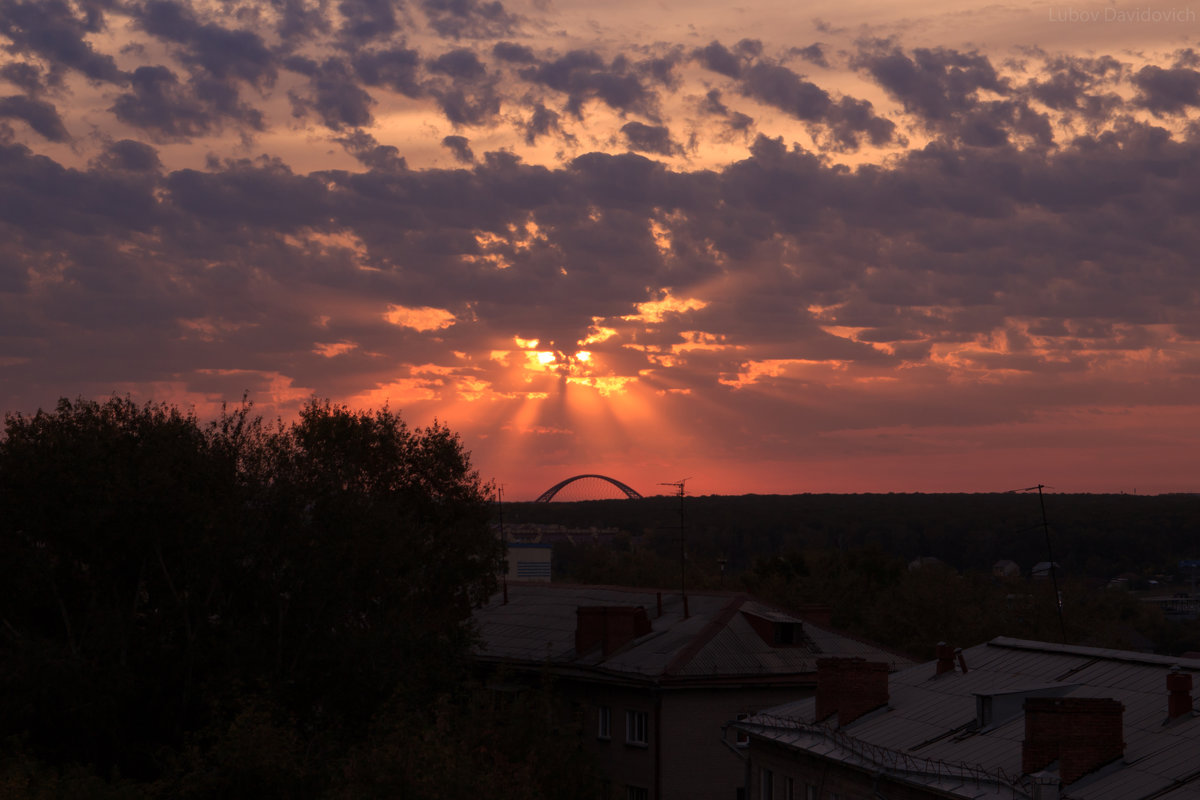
(679, 484)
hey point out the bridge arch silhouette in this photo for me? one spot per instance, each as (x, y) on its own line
(548, 495)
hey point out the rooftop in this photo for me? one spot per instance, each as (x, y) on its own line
(963, 733)
(716, 642)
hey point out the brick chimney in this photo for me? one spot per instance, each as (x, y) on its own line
(611, 627)
(1081, 733)
(945, 659)
(850, 687)
(1179, 693)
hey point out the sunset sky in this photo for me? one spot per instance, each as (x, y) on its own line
(774, 247)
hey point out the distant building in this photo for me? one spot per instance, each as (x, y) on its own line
(653, 685)
(529, 561)
(1006, 719)
(1004, 568)
(1042, 570)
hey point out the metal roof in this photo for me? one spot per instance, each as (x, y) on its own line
(715, 642)
(933, 718)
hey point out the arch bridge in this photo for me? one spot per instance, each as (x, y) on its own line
(548, 495)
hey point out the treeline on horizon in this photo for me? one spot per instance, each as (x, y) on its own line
(1092, 536)
(855, 555)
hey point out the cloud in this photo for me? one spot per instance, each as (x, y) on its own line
(41, 116)
(396, 68)
(584, 75)
(716, 57)
(1167, 91)
(849, 120)
(223, 53)
(129, 155)
(1005, 239)
(27, 77)
(935, 84)
(367, 20)
(170, 110)
(460, 147)
(50, 29)
(333, 93)
(459, 64)
(470, 19)
(650, 138)
(514, 53)
(540, 123)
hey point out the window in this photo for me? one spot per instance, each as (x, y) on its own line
(603, 722)
(810, 792)
(789, 789)
(766, 784)
(741, 738)
(637, 793)
(637, 727)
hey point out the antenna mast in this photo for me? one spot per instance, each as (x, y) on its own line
(503, 539)
(1050, 556)
(680, 485)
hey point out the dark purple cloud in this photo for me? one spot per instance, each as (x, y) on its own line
(1167, 91)
(514, 53)
(650, 138)
(223, 53)
(935, 84)
(470, 19)
(367, 20)
(460, 147)
(541, 122)
(333, 94)
(51, 29)
(716, 57)
(396, 68)
(584, 75)
(37, 114)
(169, 109)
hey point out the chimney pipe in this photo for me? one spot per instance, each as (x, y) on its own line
(1179, 693)
(1081, 733)
(609, 627)
(945, 659)
(851, 687)
(659, 605)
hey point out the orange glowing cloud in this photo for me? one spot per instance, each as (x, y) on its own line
(423, 318)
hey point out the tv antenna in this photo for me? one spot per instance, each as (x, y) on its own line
(680, 485)
(1050, 556)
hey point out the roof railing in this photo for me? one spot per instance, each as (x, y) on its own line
(896, 761)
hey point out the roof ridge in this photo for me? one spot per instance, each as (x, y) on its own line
(567, 585)
(1105, 653)
(710, 630)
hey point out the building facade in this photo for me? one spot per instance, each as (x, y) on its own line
(655, 678)
(1007, 719)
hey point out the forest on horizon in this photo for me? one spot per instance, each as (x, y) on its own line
(904, 570)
